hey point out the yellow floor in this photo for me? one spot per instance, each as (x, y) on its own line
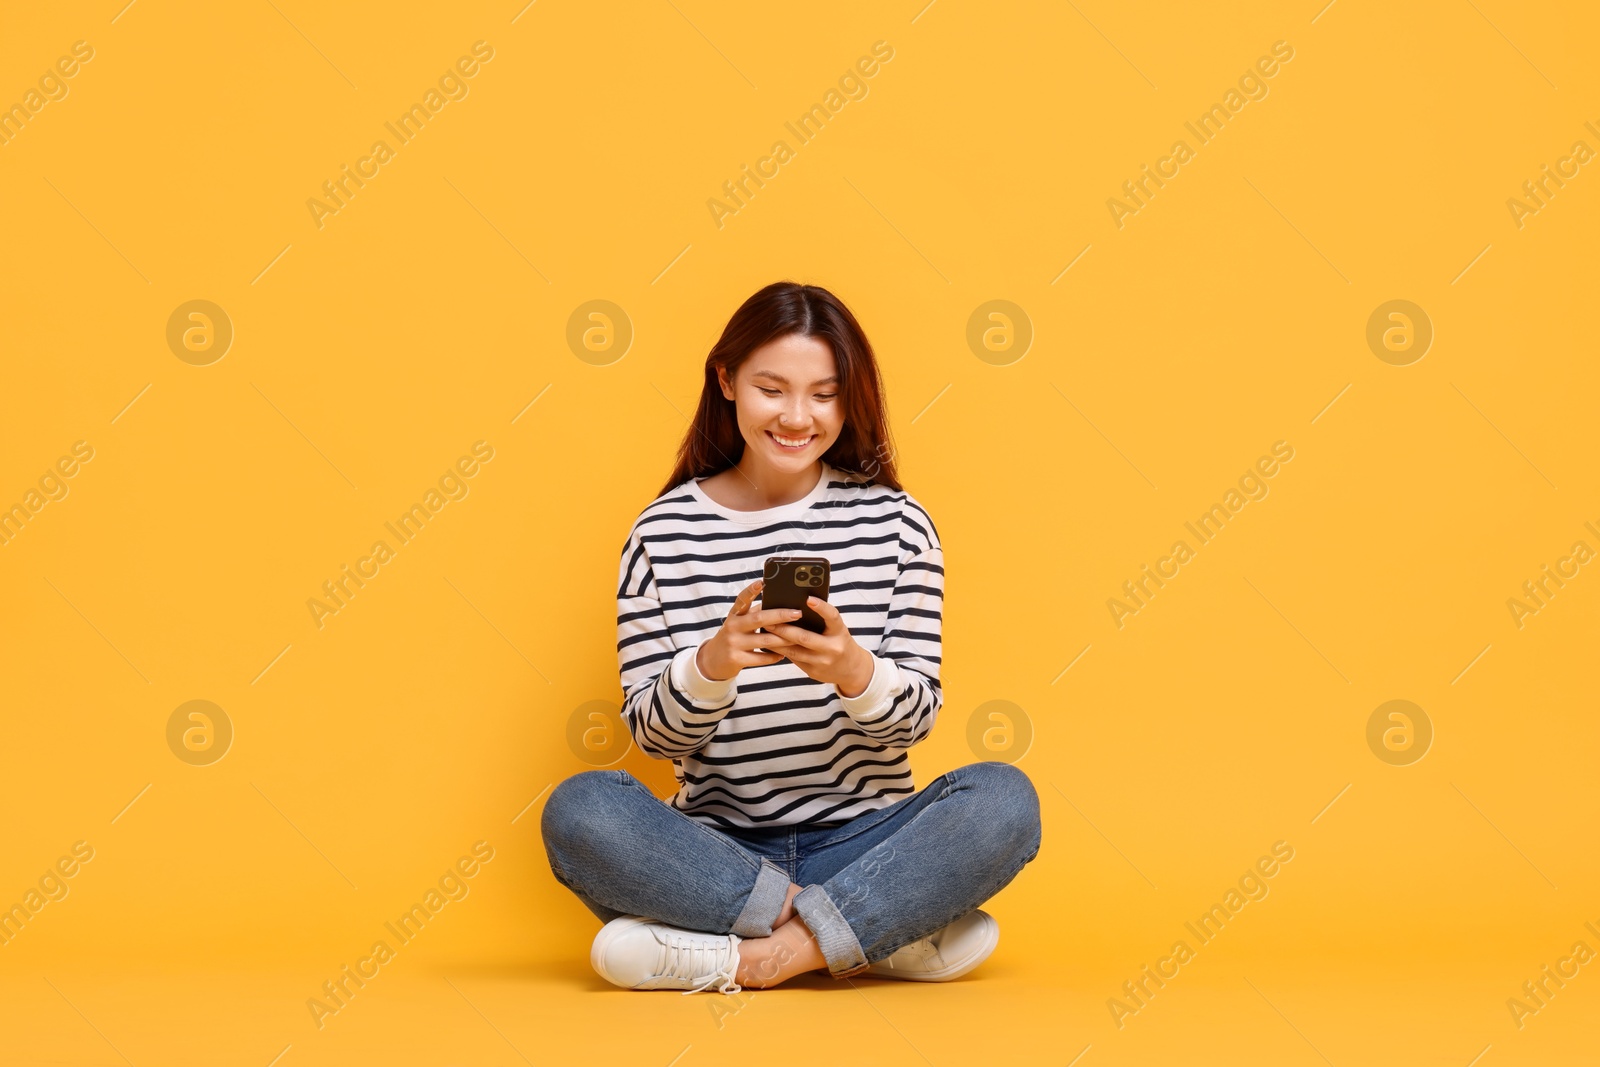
(1012, 1010)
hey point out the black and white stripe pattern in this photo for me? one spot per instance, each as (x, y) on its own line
(773, 747)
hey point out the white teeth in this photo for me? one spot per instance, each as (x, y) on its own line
(790, 441)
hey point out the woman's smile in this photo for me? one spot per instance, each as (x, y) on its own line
(816, 741)
(791, 444)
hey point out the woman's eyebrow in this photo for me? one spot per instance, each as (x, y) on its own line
(781, 380)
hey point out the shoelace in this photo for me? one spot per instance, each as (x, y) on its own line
(686, 957)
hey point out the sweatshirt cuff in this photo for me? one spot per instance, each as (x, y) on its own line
(702, 692)
(886, 684)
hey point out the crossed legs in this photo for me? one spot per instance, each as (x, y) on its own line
(884, 880)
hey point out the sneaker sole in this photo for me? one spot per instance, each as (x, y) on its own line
(991, 928)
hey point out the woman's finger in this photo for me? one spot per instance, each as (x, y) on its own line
(830, 615)
(764, 640)
(795, 635)
(741, 603)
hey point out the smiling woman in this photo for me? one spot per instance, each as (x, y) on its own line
(795, 418)
(793, 363)
(797, 839)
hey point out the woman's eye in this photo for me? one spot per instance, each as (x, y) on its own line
(819, 396)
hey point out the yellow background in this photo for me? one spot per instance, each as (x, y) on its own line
(427, 314)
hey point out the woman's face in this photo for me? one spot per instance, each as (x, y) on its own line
(787, 391)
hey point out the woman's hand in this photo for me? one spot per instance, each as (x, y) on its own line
(732, 647)
(831, 656)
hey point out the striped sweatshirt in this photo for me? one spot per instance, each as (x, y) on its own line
(772, 746)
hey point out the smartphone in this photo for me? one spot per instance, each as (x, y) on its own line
(788, 580)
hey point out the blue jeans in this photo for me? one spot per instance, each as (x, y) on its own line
(870, 885)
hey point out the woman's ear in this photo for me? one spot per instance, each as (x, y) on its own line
(722, 380)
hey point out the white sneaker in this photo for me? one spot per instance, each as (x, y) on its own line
(946, 953)
(639, 953)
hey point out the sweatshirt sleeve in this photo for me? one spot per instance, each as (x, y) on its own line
(670, 707)
(900, 704)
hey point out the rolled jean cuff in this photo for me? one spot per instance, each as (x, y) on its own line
(766, 901)
(838, 942)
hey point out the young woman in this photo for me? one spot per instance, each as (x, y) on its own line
(796, 840)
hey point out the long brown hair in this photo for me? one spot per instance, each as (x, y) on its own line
(713, 443)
